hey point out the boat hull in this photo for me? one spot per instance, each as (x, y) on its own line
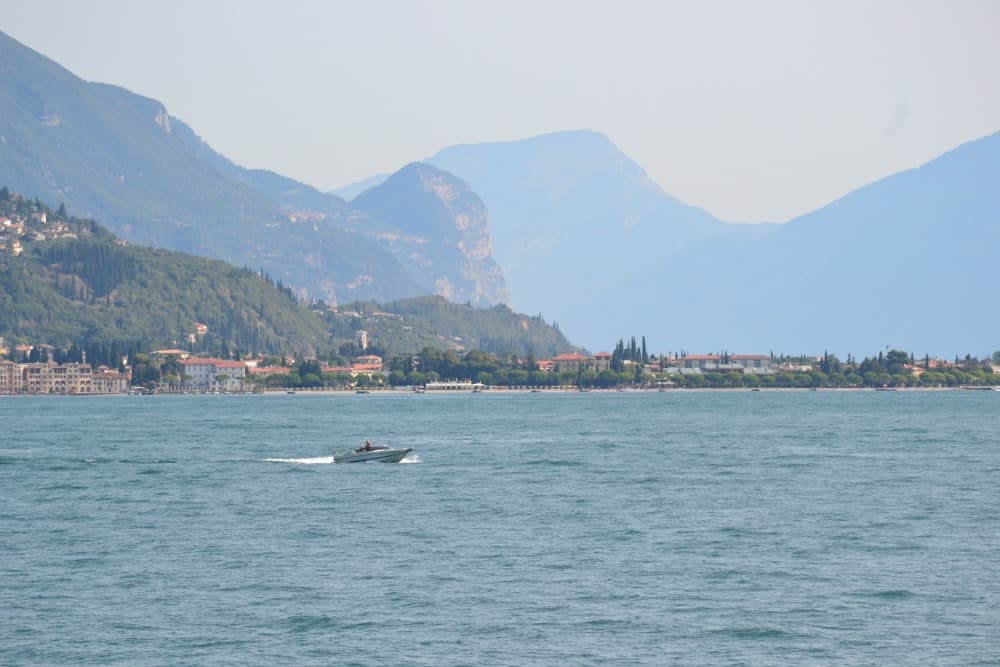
(377, 455)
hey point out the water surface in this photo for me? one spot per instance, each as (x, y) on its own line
(690, 528)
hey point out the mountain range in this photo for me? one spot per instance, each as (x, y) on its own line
(906, 262)
(109, 154)
(575, 229)
(573, 216)
(584, 235)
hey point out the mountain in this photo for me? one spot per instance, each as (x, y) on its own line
(906, 262)
(66, 280)
(409, 325)
(572, 216)
(121, 158)
(75, 282)
(428, 204)
(352, 190)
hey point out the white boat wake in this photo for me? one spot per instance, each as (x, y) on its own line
(316, 460)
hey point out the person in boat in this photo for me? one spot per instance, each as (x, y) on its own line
(368, 445)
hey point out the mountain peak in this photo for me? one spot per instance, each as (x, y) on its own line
(572, 194)
(428, 203)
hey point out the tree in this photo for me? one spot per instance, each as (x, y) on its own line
(145, 371)
(896, 360)
(312, 380)
(695, 380)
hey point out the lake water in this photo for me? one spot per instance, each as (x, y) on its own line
(688, 528)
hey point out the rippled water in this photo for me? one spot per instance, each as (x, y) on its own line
(530, 529)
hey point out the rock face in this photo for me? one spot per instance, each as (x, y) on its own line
(443, 232)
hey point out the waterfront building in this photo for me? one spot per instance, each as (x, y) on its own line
(202, 374)
(107, 381)
(11, 378)
(53, 378)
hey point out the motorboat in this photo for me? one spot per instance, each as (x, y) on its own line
(369, 452)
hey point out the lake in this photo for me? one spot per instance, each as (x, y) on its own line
(689, 528)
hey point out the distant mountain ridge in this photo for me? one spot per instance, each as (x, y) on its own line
(572, 216)
(119, 157)
(905, 262)
(352, 190)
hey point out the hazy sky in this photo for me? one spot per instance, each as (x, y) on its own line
(753, 110)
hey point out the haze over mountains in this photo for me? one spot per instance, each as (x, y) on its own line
(573, 216)
(906, 262)
(121, 158)
(562, 224)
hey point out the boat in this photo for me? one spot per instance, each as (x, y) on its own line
(369, 452)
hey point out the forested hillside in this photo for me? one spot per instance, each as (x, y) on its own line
(66, 280)
(75, 282)
(410, 325)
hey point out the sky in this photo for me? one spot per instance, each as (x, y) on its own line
(754, 111)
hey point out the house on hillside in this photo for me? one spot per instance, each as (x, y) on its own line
(181, 354)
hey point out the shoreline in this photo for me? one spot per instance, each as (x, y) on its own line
(641, 390)
(515, 390)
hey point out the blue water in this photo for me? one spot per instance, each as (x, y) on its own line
(689, 528)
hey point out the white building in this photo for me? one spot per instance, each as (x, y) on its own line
(201, 374)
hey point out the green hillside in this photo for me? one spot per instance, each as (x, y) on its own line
(410, 325)
(66, 280)
(80, 283)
